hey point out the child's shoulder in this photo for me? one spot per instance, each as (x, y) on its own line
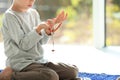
(8, 13)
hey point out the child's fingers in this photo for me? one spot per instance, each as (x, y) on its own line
(57, 27)
(60, 14)
(50, 22)
(61, 17)
(65, 17)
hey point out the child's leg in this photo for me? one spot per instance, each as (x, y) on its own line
(118, 78)
(67, 72)
(36, 72)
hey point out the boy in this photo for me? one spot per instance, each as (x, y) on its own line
(24, 34)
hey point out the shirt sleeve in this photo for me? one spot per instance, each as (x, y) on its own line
(17, 35)
(45, 38)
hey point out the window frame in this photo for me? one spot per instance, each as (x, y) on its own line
(99, 24)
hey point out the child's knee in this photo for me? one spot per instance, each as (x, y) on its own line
(51, 75)
(73, 71)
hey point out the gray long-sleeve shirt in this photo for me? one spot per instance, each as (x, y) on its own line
(23, 45)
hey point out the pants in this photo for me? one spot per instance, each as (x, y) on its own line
(48, 71)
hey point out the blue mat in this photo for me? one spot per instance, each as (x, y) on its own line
(96, 76)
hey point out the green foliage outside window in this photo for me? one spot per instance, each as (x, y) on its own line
(1, 17)
(113, 22)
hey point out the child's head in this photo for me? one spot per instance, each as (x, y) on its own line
(23, 4)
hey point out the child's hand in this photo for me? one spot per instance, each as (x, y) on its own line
(44, 26)
(58, 20)
(60, 17)
(53, 27)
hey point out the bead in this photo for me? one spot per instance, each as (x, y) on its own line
(53, 50)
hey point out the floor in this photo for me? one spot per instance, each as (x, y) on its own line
(87, 58)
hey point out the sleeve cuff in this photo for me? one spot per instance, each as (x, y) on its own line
(43, 33)
(37, 35)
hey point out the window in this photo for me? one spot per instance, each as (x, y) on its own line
(4, 4)
(78, 28)
(112, 22)
(99, 23)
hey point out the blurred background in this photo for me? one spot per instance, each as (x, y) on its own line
(113, 22)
